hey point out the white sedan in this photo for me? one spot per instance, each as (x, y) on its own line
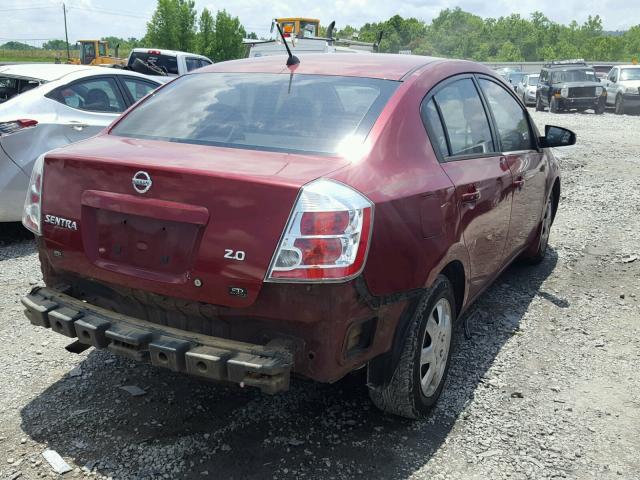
(43, 107)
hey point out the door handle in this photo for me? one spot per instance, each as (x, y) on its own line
(519, 183)
(471, 197)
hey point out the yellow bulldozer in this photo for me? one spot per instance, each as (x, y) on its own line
(96, 52)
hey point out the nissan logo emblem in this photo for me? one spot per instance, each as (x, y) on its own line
(141, 182)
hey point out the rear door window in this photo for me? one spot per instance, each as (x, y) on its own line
(510, 118)
(431, 119)
(93, 94)
(465, 119)
(138, 88)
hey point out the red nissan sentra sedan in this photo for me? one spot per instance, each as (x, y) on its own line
(251, 221)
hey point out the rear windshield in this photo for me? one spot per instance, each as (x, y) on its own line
(166, 62)
(281, 112)
(533, 79)
(586, 75)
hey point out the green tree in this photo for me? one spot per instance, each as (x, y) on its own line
(16, 46)
(228, 37)
(206, 34)
(125, 43)
(173, 25)
(186, 25)
(631, 43)
(55, 45)
(456, 33)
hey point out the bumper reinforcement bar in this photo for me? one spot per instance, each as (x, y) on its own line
(266, 367)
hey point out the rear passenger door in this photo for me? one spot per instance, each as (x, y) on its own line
(527, 164)
(462, 135)
(87, 106)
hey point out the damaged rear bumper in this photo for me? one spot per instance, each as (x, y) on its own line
(266, 367)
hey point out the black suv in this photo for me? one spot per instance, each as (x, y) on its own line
(569, 85)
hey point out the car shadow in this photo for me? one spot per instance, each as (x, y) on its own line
(13, 232)
(185, 428)
(15, 241)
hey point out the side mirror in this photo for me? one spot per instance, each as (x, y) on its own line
(557, 137)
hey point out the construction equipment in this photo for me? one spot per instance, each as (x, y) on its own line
(96, 52)
(299, 27)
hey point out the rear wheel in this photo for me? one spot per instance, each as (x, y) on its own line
(421, 372)
(619, 105)
(538, 249)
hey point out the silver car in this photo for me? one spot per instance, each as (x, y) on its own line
(527, 87)
(623, 88)
(48, 106)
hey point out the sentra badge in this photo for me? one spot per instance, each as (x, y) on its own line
(61, 222)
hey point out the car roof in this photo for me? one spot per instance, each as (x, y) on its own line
(47, 71)
(374, 65)
(630, 65)
(166, 52)
(568, 66)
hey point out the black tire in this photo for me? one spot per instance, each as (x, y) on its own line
(599, 109)
(538, 249)
(404, 395)
(553, 105)
(539, 106)
(619, 105)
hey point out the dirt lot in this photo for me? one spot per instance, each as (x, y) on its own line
(548, 385)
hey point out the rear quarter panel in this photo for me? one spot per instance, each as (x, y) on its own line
(416, 223)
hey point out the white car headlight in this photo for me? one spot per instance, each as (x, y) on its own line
(564, 92)
(598, 91)
(632, 90)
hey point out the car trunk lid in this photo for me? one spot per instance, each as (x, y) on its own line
(205, 228)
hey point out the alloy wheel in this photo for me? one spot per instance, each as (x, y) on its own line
(435, 347)
(546, 227)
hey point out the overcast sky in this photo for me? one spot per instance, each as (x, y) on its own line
(42, 19)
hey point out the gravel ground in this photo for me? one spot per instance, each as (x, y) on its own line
(546, 387)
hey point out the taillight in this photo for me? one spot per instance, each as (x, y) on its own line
(326, 237)
(153, 52)
(11, 127)
(31, 216)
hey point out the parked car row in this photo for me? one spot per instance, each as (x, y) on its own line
(575, 85)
